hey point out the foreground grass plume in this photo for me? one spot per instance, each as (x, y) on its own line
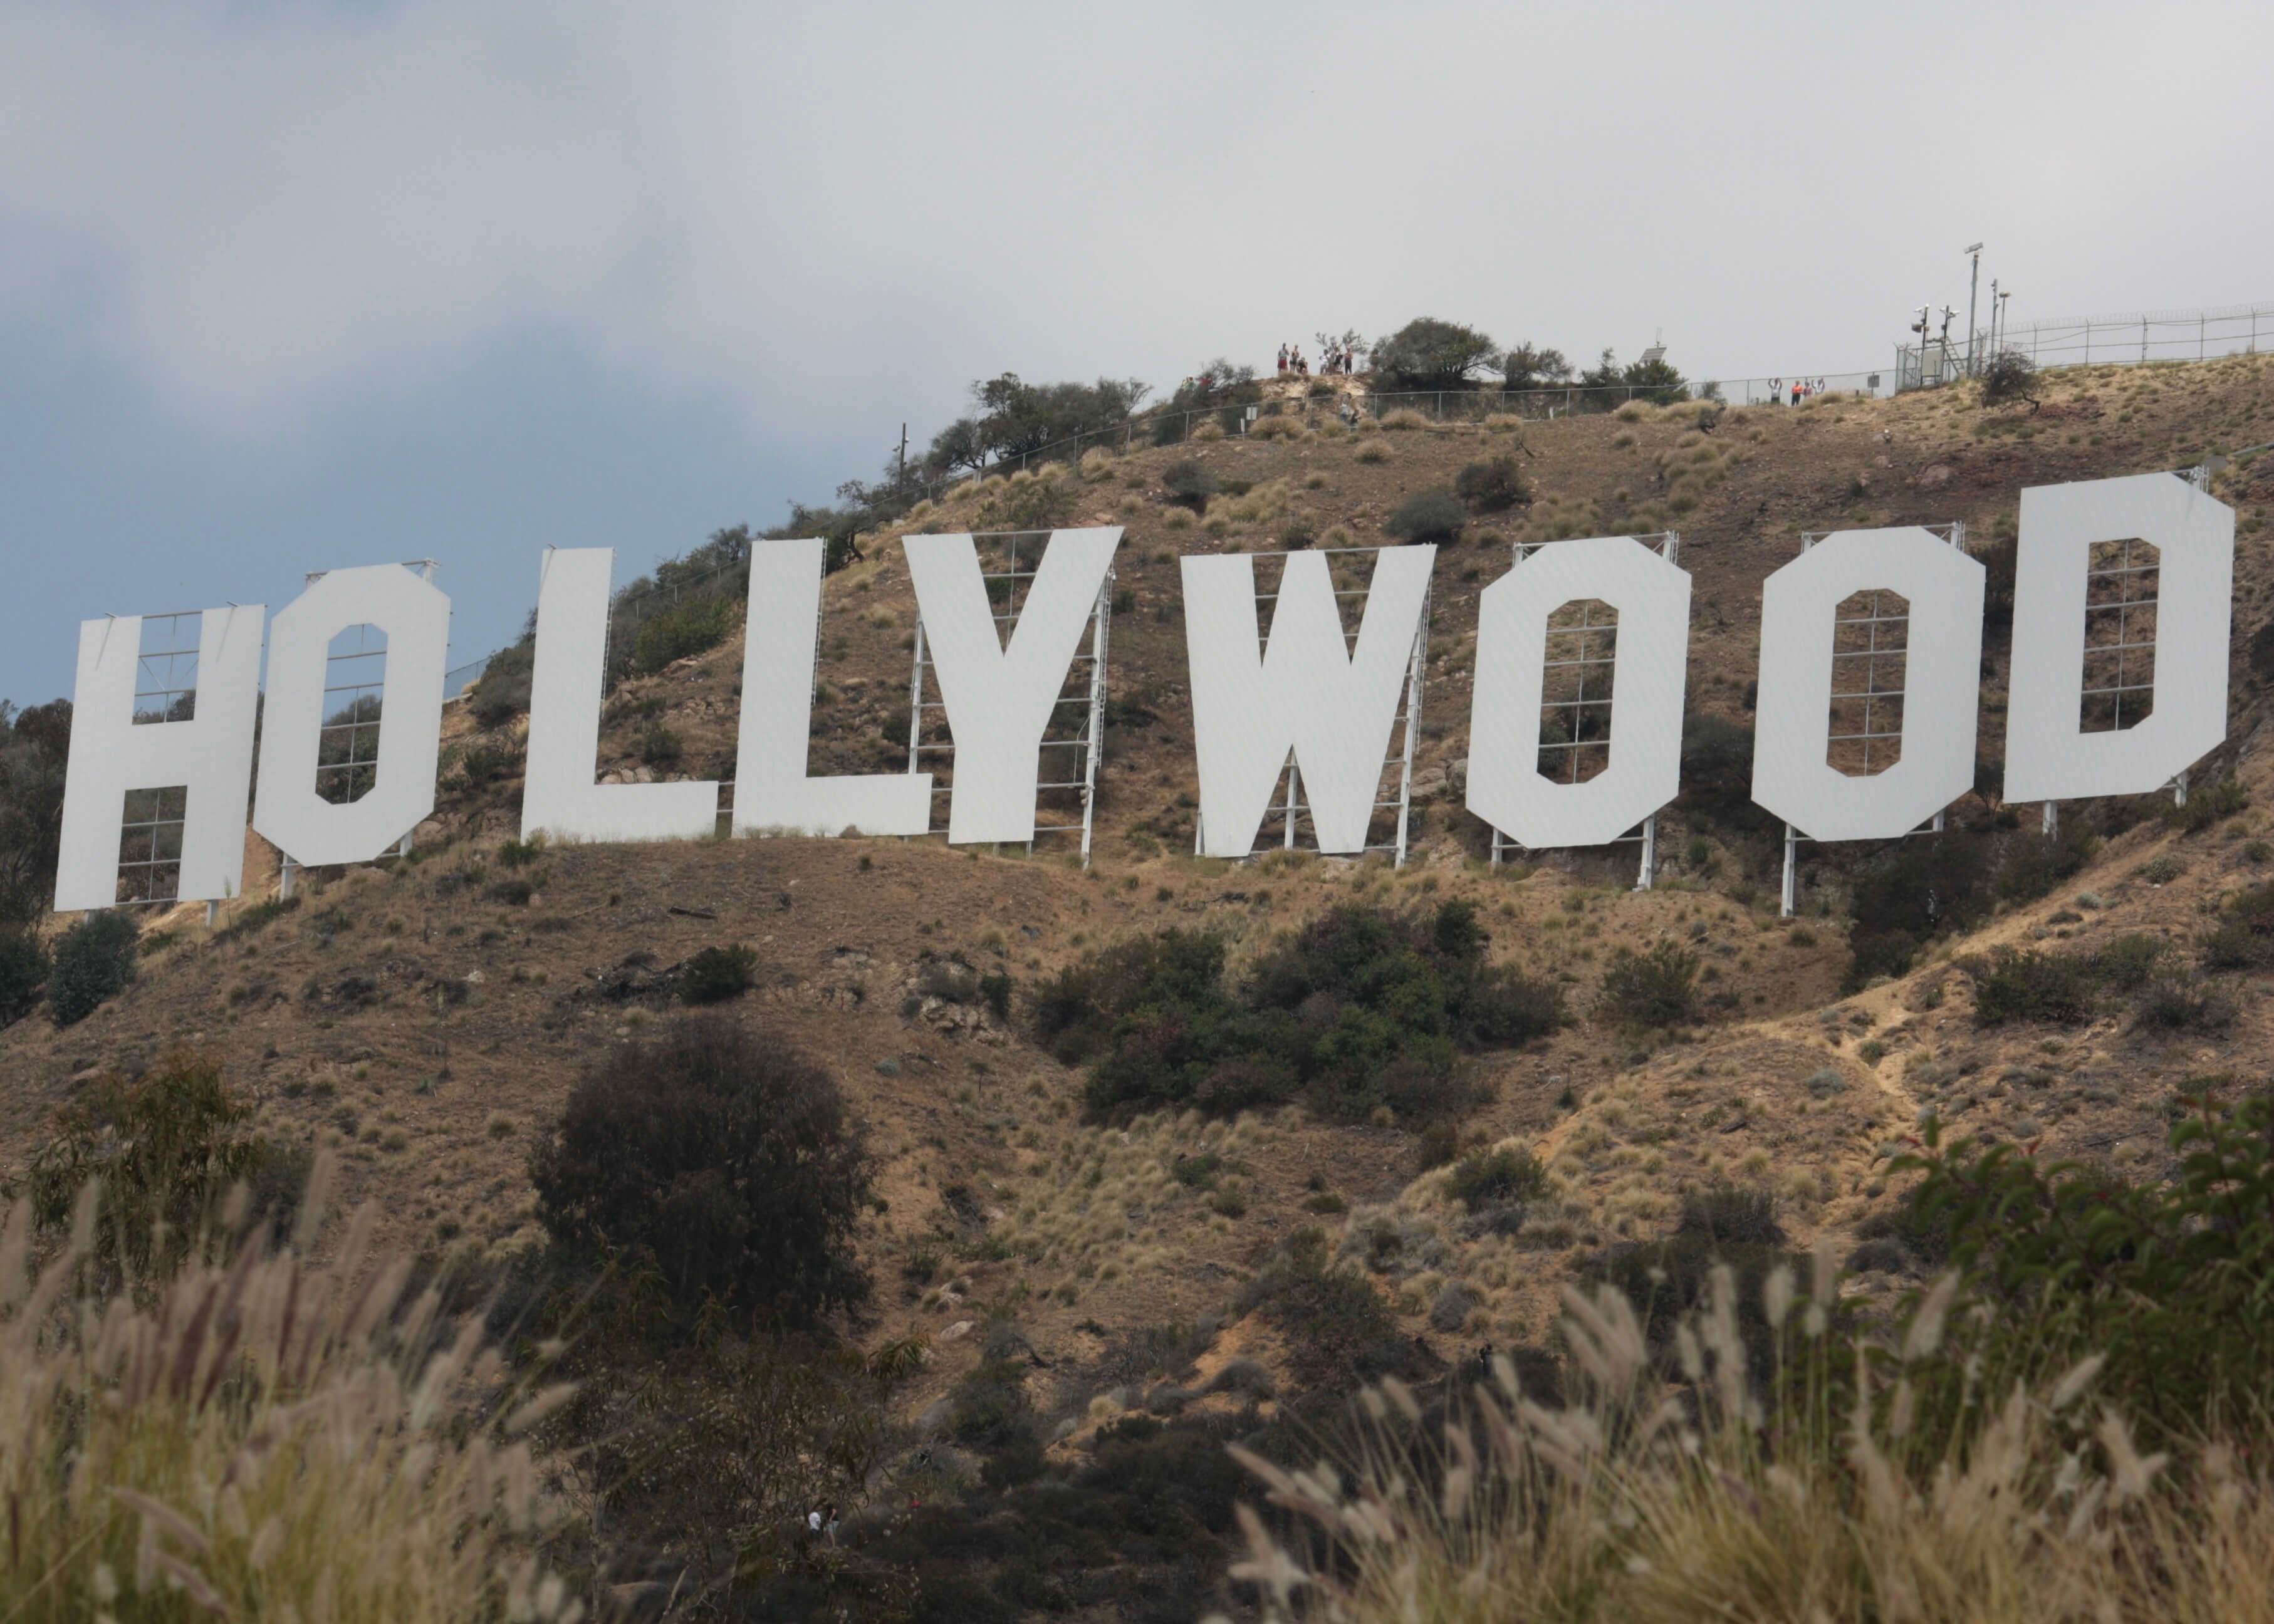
(261, 1439)
(1652, 1501)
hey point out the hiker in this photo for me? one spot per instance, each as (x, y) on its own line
(829, 1524)
(1484, 1361)
(1795, 391)
(813, 1526)
(1282, 360)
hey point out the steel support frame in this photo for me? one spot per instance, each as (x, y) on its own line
(1089, 741)
(1668, 543)
(1409, 716)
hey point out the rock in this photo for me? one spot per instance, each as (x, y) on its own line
(957, 1331)
(1933, 478)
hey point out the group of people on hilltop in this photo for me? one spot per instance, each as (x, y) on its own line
(1802, 388)
(1338, 359)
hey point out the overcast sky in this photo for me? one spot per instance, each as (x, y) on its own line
(284, 288)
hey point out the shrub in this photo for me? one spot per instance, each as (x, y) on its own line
(1905, 898)
(1339, 1330)
(2037, 864)
(1494, 485)
(2010, 375)
(23, 973)
(2243, 938)
(1361, 1008)
(1732, 1215)
(502, 692)
(2207, 804)
(659, 746)
(1651, 988)
(691, 627)
(995, 989)
(2028, 985)
(2184, 1003)
(2164, 1280)
(1189, 484)
(1434, 514)
(167, 1147)
(714, 975)
(1509, 1175)
(94, 960)
(722, 1155)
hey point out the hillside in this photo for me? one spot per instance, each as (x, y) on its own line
(428, 1018)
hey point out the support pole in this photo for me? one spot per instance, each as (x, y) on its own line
(1294, 773)
(284, 876)
(1791, 852)
(1101, 629)
(2180, 788)
(1642, 880)
(213, 913)
(1415, 665)
(2052, 824)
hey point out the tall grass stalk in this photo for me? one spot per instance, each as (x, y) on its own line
(1865, 1489)
(260, 1439)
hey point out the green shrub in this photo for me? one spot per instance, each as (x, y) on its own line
(995, 989)
(1657, 988)
(691, 627)
(1905, 897)
(167, 1147)
(1494, 485)
(23, 973)
(714, 975)
(1339, 1332)
(253, 919)
(2009, 375)
(2166, 1281)
(1504, 1176)
(2207, 804)
(2184, 1003)
(722, 1157)
(1189, 484)
(2029, 985)
(660, 747)
(1360, 1008)
(2128, 960)
(94, 960)
(2035, 864)
(1434, 514)
(2243, 938)
(502, 692)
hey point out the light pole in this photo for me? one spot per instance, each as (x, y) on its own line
(1973, 287)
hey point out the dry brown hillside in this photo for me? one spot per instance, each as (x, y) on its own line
(430, 1023)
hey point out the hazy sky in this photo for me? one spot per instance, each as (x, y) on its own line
(284, 288)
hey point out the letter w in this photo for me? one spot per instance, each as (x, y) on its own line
(1308, 692)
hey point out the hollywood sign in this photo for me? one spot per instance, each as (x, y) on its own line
(1304, 693)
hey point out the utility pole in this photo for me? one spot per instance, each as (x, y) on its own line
(904, 451)
(1973, 287)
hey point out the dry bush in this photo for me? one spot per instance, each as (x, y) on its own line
(1281, 427)
(1210, 430)
(1504, 422)
(1373, 451)
(1096, 463)
(266, 1440)
(1636, 412)
(1260, 505)
(1405, 419)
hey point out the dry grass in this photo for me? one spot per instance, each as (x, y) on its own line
(1281, 427)
(1405, 419)
(1646, 1504)
(263, 1441)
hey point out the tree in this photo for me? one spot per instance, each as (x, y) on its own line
(2010, 376)
(723, 1156)
(33, 746)
(1655, 379)
(1430, 354)
(1529, 367)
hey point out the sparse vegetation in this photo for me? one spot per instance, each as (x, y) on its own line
(1432, 515)
(1654, 988)
(94, 960)
(716, 974)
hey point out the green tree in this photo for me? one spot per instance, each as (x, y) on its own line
(94, 960)
(1530, 366)
(1428, 353)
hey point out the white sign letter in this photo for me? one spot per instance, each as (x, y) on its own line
(558, 795)
(999, 700)
(1308, 691)
(209, 756)
(2048, 754)
(287, 810)
(1506, 788)
(1942, 658)
(770, 789)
